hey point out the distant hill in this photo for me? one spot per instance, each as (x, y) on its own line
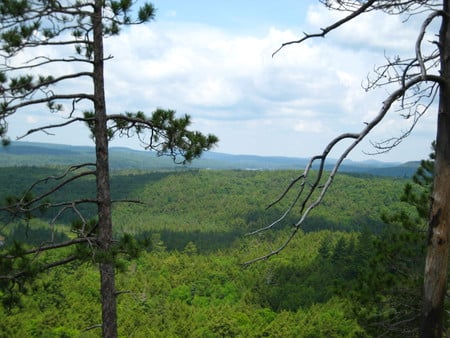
(45, 154)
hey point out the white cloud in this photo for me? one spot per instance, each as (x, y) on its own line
(30, 119)
(374, 30)
(309, 126)
(172, 14)
(291, 104)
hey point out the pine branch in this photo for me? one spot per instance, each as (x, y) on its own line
(26, 273)
(47, 247)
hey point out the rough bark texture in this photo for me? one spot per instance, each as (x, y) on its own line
(436, 264)
(107, 278)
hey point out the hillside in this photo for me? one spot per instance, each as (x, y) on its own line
(212, 208)
(188, 281)
(44, 154)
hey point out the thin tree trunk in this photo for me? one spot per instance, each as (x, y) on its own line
(107, 277)
(436, 264)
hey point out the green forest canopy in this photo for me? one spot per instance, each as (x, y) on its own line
(189, 282)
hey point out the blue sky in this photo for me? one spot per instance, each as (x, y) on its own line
(241, 17)
(213, 60)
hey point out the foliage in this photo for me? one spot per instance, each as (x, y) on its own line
(189, 281)
(395, 269)
(178, 205)
(179, 294)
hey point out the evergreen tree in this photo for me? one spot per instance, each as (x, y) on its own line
(30, 32)
(417, 194)
(391, 281)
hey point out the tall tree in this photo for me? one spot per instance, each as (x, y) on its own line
(418, 81)
(30, 33)
(392, 277)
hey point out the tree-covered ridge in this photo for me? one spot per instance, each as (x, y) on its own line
(121, 158)
(225, 203)
(189, 280)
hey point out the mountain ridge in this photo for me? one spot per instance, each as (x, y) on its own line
(49, 154)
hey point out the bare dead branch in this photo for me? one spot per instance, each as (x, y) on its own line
(59, 186)
(59, 177)
(394, 7)
(92, 327)
(41, 61)
(53, 126)
(59, 263)
(419, 40)
(50, 98)
(386, 145)
(326, 30)
(27, 205)
(308, 204)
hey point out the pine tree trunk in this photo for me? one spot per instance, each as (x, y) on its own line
(105, 238)
(436, 264)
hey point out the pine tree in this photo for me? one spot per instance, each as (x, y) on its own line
(391, 281)
(30, 32)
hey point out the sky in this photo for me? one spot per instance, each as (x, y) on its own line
(213, 60)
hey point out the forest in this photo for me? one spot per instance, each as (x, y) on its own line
(354, 271)
(98, 249)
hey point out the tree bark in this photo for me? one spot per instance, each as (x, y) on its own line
(436, 264)
(105, 236)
